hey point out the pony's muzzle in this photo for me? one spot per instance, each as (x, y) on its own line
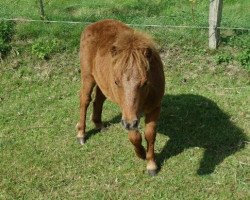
(130, 126)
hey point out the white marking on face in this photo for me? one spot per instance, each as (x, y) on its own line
(130, 89)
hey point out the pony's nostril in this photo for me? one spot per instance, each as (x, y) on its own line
(130, 126)
(135, 124)
(125, 124)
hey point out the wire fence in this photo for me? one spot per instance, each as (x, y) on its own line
(135, 25)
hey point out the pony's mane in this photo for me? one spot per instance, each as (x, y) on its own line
(132, 50)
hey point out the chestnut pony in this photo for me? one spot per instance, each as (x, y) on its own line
(125, 67)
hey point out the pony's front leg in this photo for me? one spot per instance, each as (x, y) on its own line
(136, 139)
(150, 134)
(85, 98)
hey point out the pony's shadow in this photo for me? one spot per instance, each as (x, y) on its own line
(196, 121)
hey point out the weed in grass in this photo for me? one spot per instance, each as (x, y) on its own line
(223, 58)
(43, 47)
(6, 34)
(244, 58)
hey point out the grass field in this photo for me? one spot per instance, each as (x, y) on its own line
(203, 135)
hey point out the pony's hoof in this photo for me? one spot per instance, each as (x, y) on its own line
(152, 172)
(141, 155)
(81, 140)
(103, 129)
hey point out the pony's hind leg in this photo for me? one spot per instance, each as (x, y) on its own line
(85, 98)
(97, 108)
(150, 134)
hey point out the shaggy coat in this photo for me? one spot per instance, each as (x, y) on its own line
(126, 68)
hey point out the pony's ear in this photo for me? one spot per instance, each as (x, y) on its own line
(148, 52)
(113, 50)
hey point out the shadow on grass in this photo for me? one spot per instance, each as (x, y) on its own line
(93, 132)
(196, 121)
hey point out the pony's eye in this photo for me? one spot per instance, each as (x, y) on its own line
(117, 83)
(144, 84)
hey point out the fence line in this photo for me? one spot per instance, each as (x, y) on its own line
(135, 25)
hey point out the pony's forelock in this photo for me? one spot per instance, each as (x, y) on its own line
(129, 51)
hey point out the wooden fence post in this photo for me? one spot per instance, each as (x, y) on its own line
(42, 10)
(215, 12)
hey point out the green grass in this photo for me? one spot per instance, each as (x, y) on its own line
(235, 14)
(202, 143)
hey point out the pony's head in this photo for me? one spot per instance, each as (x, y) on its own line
(131, 54)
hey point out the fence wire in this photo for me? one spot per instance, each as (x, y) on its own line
(135, 25)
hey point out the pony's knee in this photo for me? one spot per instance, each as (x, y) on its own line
(150, 136)
(135, 138)
(85, 100)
